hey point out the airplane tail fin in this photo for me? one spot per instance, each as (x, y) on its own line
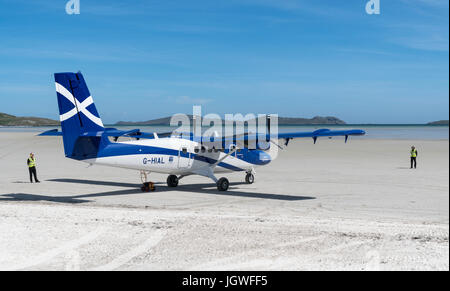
(78, 116)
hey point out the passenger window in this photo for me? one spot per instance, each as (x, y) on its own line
(184, 150)
(196, 150)
(203, 149)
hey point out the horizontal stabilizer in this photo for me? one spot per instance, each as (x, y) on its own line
(52, 132)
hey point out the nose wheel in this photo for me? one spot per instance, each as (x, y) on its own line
(249, 178)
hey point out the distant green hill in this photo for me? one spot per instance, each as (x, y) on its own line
(11, 120)
(440, 122)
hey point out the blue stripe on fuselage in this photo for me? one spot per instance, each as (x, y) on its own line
(117, 149)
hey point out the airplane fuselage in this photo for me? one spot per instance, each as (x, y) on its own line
(175, 156)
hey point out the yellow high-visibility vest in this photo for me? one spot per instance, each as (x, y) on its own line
(413, 153)
(32, 162)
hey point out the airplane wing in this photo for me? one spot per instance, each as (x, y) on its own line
(240, 140)
(243, 140)
(321, 133)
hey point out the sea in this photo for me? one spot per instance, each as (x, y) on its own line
(384, 131)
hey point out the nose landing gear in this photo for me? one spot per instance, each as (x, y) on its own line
(249, 178)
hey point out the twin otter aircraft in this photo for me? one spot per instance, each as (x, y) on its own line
(176, 154)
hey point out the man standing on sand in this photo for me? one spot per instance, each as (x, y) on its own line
(413, 157)
(31, 162)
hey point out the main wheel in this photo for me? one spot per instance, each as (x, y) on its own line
(223, 184)
(249, 178)
(172, 181)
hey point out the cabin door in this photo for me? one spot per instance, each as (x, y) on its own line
(184, 157)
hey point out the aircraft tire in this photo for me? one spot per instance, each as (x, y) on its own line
(223, 184)
(249, 178)
(172, 181)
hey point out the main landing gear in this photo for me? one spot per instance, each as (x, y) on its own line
(223, 184)
(172, 181)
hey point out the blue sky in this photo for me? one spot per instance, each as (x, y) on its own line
(148, 59)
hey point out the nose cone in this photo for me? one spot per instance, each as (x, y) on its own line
(264, 158)
(257, 157)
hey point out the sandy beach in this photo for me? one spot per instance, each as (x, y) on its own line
(354, 206)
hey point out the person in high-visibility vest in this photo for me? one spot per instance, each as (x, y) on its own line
(413, 157)
(31, 162)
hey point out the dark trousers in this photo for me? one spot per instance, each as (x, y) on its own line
(413, 162)
(32, 171)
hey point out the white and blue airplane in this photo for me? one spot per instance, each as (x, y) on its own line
(179, 155)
